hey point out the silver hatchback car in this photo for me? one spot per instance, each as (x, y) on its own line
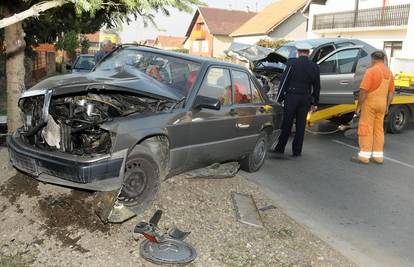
(342, 63)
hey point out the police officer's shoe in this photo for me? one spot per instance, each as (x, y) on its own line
(296, 155)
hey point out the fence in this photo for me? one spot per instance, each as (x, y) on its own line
(373, 17)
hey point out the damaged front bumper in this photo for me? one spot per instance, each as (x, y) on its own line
(98, 173)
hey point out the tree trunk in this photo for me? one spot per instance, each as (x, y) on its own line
(15, 72)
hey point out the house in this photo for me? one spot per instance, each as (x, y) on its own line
(169, 42)
(381, 23)
(279, 20)
(209, 31)
(95, 39)
(147, 42)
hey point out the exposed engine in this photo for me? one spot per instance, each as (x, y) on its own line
(74, 122)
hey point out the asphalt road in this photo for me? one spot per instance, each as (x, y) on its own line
(366, 212)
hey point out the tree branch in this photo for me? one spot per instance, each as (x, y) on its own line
(35, 10)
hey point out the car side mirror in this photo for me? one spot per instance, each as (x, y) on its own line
(68, 67)
(207, 103)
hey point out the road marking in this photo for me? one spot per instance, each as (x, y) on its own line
(387, 158)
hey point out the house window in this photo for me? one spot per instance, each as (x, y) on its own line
(196, 46)
(393, 48)
(204, 46)
(199, 26)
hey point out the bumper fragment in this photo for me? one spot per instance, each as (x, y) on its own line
(102, 173)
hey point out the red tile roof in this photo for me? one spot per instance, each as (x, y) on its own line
(220, 21)
(92, 37)
(169, 41)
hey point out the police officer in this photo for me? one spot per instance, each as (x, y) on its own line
(299, 91)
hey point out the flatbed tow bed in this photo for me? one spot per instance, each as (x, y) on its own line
(400, 114)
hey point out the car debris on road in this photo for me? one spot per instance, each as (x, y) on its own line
(164, 248)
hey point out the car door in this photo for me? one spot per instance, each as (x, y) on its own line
(212, 131)
(250, 109)
(338, 80)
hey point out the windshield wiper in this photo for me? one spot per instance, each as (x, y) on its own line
(178, 102)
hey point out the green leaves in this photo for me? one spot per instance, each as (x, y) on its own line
(69, 42)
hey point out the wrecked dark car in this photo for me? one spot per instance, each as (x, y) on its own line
(140, 116)
(342, 63)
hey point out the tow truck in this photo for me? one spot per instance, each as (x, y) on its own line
(400, 114)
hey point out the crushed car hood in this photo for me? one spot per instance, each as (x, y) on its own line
(255, 53)
(118, 79)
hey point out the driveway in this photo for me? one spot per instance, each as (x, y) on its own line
(367, 212)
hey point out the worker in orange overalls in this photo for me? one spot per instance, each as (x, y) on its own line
(375, 97)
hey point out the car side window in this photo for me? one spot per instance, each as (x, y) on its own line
(242, 90)
(217, 84)
(341, 62)
(323, 52)
(256, 96)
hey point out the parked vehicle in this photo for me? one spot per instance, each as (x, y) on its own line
(83, 63)
(142, 115)
(342, 62)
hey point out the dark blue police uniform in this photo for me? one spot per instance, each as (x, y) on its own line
(299, 89)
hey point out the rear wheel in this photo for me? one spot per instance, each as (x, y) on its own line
(256, 158)
(397, 119)
(141, 180)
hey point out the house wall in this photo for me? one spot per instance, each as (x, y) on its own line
(294, 28)
(220, 44)
(250, 39)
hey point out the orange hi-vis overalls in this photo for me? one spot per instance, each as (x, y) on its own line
(371, 123)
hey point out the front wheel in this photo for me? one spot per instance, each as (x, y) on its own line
(256, 158)
(141, 180)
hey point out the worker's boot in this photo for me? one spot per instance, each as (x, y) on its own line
(363, 157)
(378, 157)
(363, 160)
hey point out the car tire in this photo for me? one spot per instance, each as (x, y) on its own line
(141, 180)
(397, 119)
(256, 158)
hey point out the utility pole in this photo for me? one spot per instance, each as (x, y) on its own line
(356, 12)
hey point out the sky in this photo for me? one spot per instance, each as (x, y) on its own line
(177, 23)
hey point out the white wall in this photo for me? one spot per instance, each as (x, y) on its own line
(220, 44)
(250, 39)
(294, 28)
(374, 38)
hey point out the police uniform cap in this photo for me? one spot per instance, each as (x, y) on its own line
(303, 46)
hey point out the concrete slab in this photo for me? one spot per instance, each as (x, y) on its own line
(246, 209)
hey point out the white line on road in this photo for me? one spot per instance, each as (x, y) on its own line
(387, 158)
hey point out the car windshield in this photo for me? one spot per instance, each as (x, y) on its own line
(288, 51)
(172, 71)
(85, 63)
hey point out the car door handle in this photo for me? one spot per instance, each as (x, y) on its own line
(233, 112)
(344, 82)
(242, 125)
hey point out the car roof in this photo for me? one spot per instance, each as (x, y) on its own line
(197, 59)
(321, 41)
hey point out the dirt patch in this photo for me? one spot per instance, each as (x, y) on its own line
(67, 215)
(18, 185)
